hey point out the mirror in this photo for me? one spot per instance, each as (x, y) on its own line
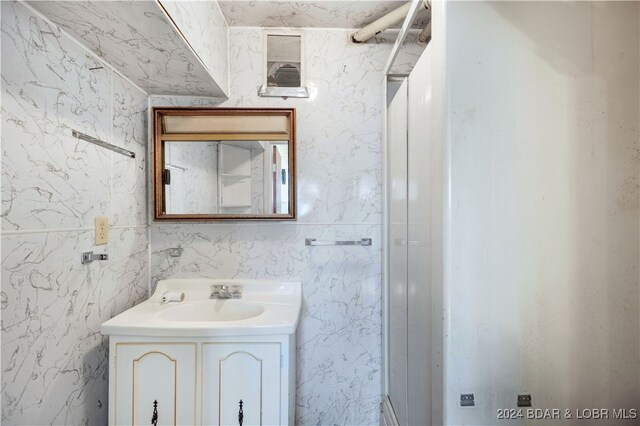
(224, 163)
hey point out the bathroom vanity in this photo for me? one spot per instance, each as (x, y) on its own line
(204, 360)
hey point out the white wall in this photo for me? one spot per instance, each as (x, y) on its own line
(54, 359)
(542, 285)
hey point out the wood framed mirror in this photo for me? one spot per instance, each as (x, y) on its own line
(212, 164)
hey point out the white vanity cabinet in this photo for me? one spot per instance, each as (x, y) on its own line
(192, 362)
(150, 377)
(201, 381)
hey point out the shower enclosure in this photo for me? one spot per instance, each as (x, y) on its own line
(512, 218)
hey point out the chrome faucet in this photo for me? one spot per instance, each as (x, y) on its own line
(221, 291)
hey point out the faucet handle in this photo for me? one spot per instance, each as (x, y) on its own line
(215, 291)
(236, 291)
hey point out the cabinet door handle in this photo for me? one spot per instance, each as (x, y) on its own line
(154, 417)
(240, 414)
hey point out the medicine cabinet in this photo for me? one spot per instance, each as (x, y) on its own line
(224, 164)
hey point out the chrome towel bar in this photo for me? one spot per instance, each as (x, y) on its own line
(107, 145)
(314, 242)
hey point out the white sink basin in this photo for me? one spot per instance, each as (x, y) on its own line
(212, 310)
(266, 307)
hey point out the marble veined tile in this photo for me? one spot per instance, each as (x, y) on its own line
(54, 359)
(338, 128)
(408, 55)
(325, 13)
(50, 86)
(185, 101)
(339, 145)
(204, 27)
(137, 39)
(339, 335)
(129, 195)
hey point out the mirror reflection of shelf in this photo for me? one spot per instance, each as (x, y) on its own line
(235, 176)
(173, 166)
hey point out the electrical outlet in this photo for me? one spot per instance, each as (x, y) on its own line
(524, 400)
(102, 230)
(467, 400)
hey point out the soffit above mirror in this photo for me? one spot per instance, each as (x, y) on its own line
(143, 42)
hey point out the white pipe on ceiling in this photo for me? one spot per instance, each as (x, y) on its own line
(381, 24)
(425, 34)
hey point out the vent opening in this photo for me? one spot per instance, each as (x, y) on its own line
(284, 70)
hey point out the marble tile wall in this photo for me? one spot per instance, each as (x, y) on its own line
(204, 27)
(138, 40)
(54, 359)
(338, 344)
(304, 14)
(339, 197)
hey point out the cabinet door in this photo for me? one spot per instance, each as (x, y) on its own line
(234, 372)
(148, 373)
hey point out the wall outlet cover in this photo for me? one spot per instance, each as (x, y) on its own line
(102, 230)
(467, 400)
(524, 400)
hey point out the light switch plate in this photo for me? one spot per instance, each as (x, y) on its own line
(102, 230)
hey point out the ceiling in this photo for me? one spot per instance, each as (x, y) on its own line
(307, 13)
